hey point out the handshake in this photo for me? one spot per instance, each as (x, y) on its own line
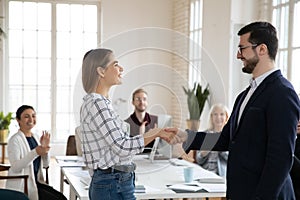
(170, 135)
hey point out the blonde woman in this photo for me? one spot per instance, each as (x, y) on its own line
(213, 160)
(108, 149)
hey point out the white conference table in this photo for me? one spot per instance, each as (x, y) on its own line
(68, 161)
(155, 177)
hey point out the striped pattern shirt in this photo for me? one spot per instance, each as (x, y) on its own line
(105, 142)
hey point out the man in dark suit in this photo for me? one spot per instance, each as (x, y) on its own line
(260, 134)
(295, 172)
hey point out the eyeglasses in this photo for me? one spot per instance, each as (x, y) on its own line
(240, 48)
(140, 99)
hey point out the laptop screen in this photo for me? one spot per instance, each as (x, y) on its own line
(161, 150)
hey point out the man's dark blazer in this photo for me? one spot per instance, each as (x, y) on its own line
(261, 146)
(295, 171)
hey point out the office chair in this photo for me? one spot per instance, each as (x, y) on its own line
(71, 149)
(13, 194)
(47, 174)
(71, 146)
(78, 139)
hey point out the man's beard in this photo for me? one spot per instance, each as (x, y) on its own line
(140, 110)
(250, 65)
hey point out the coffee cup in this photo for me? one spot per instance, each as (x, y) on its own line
(188, 173)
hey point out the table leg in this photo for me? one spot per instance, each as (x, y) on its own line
(61, 181)
(3, 154)
(72, 193)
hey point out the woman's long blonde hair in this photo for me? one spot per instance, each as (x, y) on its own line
(212, 109)
(91, 61)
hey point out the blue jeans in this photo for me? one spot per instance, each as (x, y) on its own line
(112, 186)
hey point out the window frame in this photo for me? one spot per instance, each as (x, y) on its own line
(290, 48)
(195, 44)
(53, 57)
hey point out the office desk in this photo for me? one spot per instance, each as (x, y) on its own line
(68, 161)
(77, 188)
(154, 176)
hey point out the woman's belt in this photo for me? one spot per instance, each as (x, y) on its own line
(119, 168)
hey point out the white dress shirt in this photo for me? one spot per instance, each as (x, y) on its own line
(254, 83)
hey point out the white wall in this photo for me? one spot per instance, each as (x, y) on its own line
(216, 42)
(139, 32)
(222, 20)
(242, 13)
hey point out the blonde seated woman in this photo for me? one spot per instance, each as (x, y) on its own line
(215, 161)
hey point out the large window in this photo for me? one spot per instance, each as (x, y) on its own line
(195, 46)
(46, 43)
(286, 18)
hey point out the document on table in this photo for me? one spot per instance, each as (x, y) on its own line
(198, 187)
(139, 189)
(86, 180)
(70, 161)
(212, 180)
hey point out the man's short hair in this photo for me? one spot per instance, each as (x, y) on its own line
(262, 33)
(140, 90)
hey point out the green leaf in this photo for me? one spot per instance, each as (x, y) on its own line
(196, 100)
(5, 120)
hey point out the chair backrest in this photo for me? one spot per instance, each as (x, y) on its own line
(78, 139)
(12, 194)
(5, 167)
(71, 146)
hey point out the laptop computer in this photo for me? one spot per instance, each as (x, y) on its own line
(161, 150)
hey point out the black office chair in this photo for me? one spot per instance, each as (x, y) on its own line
(13, 194)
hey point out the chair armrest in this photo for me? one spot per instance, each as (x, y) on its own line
(25, 177)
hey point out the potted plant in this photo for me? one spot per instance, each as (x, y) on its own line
(4, 124)
(196, 99)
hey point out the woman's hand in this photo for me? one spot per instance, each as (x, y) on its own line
(45, 139)
(179, 135)
(154, 132)
(179, 152)
(40, 150)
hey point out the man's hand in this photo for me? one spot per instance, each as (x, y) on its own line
(167, 135)
(158, 132)
(143, 127)
(180, 135)
(298, 128)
